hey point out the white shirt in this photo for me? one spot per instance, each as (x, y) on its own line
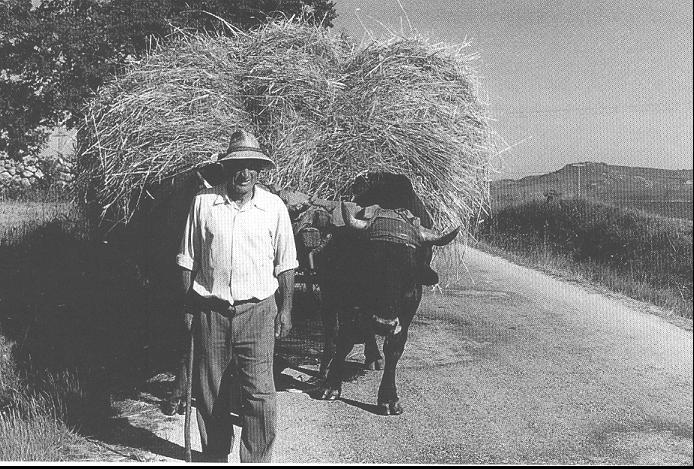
(237, 253)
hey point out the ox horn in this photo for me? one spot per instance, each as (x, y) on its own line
(350, 220)
(432, 237)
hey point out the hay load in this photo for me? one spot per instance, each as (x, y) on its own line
(289, 89)
(325, 110)
(412, 107)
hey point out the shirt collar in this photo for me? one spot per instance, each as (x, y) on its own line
(260, 198)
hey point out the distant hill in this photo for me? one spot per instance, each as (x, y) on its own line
(660, 191)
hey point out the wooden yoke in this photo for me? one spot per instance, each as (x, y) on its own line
(298, 202)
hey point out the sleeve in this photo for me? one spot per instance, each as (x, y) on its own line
(284, 244)
(191, 242)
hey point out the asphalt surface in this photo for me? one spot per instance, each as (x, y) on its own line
(510, 366)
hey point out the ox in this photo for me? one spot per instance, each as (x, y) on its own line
(371, 283)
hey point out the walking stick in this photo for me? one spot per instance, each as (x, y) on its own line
(189, 394)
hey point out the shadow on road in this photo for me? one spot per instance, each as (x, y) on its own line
(371, 408)
(121, 433)
(77, 306)
(83, 326)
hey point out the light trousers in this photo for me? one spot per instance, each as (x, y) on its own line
(233, 378)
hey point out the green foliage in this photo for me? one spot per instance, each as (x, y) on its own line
(654, 250)
(57, 54)
(25, 88)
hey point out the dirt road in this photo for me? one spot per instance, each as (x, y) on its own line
(512, 366)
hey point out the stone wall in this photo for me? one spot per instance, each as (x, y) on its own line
(55, 171)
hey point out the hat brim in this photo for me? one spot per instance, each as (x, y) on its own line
(246, 155)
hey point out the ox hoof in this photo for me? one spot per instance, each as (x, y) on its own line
(329, 394)
(375, 364)
(390, 408)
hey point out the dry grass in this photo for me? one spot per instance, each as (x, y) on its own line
(449, 262)
(39, 437)
(17, 218)
(32, 419)
(325, 110)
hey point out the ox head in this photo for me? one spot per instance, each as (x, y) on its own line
(390, 271)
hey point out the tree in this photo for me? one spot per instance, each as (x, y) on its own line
(25, 96)
(56, 55)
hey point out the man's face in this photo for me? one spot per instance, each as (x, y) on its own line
(242, 176)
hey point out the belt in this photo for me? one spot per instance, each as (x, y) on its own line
(219, 304)
(245, 302)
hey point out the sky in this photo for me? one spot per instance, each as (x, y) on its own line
(567, 81)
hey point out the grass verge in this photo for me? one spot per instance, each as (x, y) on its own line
(35, 405)
(33, 412)
(56, 349)
(645, 257)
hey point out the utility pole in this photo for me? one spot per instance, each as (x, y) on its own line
(579, 166)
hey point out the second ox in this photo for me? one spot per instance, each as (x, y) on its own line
(371, 275)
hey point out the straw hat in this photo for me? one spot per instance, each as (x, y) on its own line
(243, 146)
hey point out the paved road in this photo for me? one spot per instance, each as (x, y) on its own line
(512, 366)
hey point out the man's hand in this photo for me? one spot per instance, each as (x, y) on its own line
(283, 323)
(186, 280)
(188, 320)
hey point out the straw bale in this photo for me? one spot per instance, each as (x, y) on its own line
(411, 107)
(289, 90)
(158, 119)
(325, 110)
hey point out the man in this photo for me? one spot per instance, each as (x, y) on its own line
(237, 249)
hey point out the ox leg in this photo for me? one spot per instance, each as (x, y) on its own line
(373, 358)
(329, 346)
(388, 401)
(332, 388)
